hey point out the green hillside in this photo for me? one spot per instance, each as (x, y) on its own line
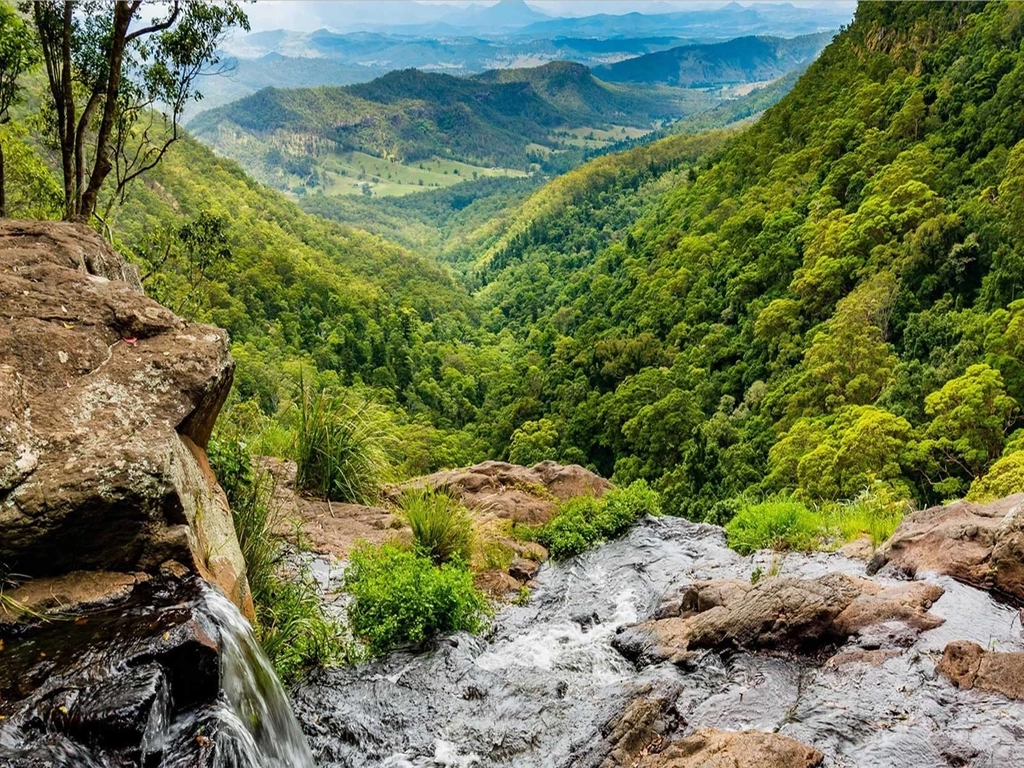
(825, 302)
(743, 60)
(410, 130)
(831, 300)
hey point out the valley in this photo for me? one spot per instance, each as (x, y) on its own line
(506, 387)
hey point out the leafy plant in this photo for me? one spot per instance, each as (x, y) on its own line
(342, 446)
(584, 521)
(400, 596)
(780, 523)
(441, 526)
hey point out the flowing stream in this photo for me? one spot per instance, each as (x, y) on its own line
(542, 688)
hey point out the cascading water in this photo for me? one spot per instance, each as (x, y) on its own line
(254, 723)
(174, 678)
(540, 691)
(257, 701)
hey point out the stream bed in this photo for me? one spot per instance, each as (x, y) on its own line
(545, 687)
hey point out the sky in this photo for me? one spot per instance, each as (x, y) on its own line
(308, 15)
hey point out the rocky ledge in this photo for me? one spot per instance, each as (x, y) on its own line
(775, 614)
(977, 544)
(109, 513)
(107, 400)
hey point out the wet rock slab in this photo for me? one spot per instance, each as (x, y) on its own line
(775, 614)
(105, 686)
(547, 689)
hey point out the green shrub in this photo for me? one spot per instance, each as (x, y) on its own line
(400, 596)
(342, 447)
(782, 524)
(584, 521)
(291, 623)
(441, 526)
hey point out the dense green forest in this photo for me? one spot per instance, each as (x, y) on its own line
(826, 301)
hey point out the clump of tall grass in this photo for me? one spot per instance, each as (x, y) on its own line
(584, 521)
(875, 512)
(291, 622)
(786, 523)
(441, 526)
(342, 446)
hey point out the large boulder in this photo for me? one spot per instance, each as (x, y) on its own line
(775, 614)
(979, 544)
(107, 401)
(521, 494)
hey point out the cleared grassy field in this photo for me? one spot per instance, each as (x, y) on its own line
(351, 173)
(598, 138)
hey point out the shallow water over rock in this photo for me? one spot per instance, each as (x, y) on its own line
(546, 688)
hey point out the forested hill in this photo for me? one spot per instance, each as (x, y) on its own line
(411, 116)
(831, 302)
(743, 60)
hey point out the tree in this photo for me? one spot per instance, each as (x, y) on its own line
(970, 417)
(119, 84)
(17, 54)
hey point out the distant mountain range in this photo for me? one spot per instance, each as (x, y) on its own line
(743, 60)
(515, 17)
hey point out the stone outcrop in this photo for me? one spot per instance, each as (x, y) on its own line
(978, 544)
(107, 400)
(969, 666)
(775, 614)
(713, 748)
(521, 494)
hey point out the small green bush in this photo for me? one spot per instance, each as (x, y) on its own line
(441, 526)
(342, 447)
(400, 596)
(782, 524)
(584, 521)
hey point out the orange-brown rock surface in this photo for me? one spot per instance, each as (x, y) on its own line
(978, 544)
(968, 665)
(713, 748)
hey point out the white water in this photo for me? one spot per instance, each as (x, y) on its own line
(258, 727)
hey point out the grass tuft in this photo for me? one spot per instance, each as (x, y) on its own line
(343, 447)
(291, 623)
(584, 521)
(441, 525)
(780, 523)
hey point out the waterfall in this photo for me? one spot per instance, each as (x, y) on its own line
(256, 725)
